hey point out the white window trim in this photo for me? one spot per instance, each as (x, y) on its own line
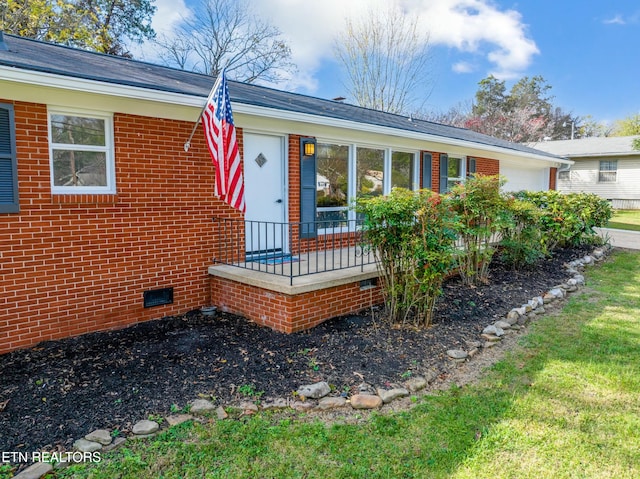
(352, 170)
(108, 149)
(600, 171)
(463, 169)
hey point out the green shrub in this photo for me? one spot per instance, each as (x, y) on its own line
(480, 209)
(413, 239)
(568, 219)
(521, 245)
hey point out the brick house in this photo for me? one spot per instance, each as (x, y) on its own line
(106, 220)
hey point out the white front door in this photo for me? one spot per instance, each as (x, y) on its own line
(264, 192)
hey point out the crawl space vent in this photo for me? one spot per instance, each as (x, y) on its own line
(156, 297)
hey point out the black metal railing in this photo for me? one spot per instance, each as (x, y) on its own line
(291, 249)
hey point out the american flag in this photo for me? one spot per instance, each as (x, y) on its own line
(220, 135)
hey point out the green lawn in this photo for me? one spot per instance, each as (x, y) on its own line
(625, 220)
(564, 404)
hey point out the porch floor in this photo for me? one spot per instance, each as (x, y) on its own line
(302, 272)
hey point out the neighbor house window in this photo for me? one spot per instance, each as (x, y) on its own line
(608, 171)
(81, 152)
(332, 183)
(369, 172)
(402, 169)
(564, 175)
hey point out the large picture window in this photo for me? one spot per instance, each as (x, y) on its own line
(81, 153)
(402, 169)
(370, 172)
(332, 182)
(608, 171)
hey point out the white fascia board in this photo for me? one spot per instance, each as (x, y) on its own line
(132, 92)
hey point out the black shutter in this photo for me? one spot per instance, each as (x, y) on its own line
(444, 172)
(8, 161)
(427, 159)
(471, 166)
(308, 190)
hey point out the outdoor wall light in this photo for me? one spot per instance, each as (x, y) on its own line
(309, 148)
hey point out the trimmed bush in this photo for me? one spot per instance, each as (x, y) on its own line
(413, 238)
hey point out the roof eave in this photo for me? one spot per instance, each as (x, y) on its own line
(148, 94)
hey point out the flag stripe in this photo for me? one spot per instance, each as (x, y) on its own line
(220, 135)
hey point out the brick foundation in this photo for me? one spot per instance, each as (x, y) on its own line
(291, 313)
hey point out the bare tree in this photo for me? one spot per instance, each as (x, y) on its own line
(386, 60)
(226, 34)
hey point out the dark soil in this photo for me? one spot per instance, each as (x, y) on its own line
(58, 391)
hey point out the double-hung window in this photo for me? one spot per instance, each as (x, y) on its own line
(81, 152)
(608, 172)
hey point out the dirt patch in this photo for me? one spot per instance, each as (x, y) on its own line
(59, 391)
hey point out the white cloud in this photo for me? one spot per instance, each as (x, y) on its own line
(615, 20)
(463, 67)
(475, 26)
(478, 27)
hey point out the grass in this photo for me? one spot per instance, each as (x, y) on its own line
(564, 404)
(625, 220)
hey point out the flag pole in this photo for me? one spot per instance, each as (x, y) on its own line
(187, 144)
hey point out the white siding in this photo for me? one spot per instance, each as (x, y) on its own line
(583, 177)
(525, 177)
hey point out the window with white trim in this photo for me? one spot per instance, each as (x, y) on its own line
(352, 171)
(608, 172)
(455, 171)
(81, 152)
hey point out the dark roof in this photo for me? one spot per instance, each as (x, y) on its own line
(33, 55)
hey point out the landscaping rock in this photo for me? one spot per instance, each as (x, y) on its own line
(492, 338)
(83, 445)
(176, 419)
(475, 351)
(513, 315)
(457, 354)
(365, 388)
(579, 279)
(145, 427)
(221, 414)
(201, 406)
(302, 406)
(278, 403)
(117, 442)
(35, 471)
(502, 325)
(327, 403)
(248, 408)
(388, 395)
(365, 401)
(416, 384)
(101, 436)
(314, 391)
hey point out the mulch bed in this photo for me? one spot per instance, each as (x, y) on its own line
(59, 391)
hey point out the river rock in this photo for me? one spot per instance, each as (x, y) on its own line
(416, 384)
(365, 401)
(201, 406)
(83, 445)
(388, 395)
(35, 471)
(100, 435)
(145, 427)
(327, 403)
(176, 419)
(457, 354)
(314, 391)
(502, 325)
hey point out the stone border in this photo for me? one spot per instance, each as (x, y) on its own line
(316, 397)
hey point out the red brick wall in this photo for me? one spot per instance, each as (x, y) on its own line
(73, 264)
(553, 175)
(487, 166)
(289, 313)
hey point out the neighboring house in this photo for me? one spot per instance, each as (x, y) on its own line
(106, 220)
(608, 167)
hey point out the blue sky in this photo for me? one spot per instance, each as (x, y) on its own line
(588, 51)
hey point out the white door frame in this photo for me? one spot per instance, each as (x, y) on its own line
(283, 182)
